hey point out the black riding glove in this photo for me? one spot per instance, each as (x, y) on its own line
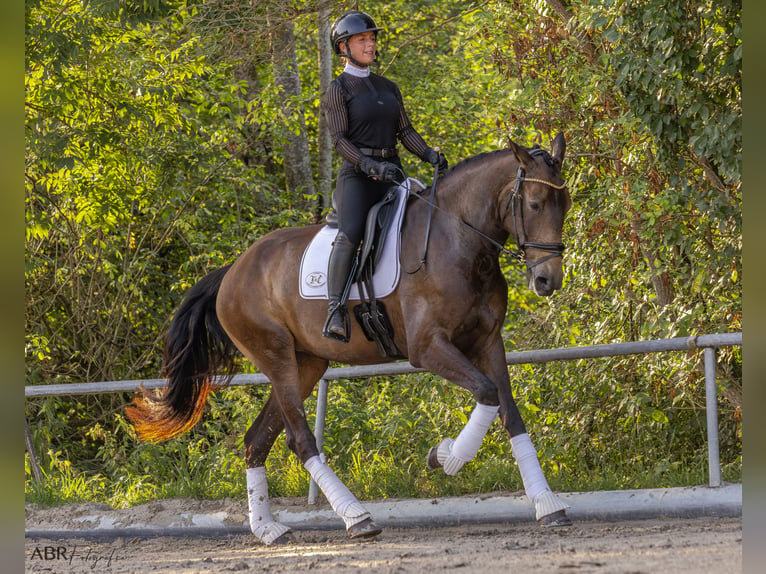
(435, 158)
(380, 170)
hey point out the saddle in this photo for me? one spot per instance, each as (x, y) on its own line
(371, 313)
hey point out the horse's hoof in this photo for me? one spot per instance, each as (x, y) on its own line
(432, 461)
(286, 538)
(558, 518)
(364, 529)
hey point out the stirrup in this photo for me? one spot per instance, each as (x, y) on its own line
(334, 308)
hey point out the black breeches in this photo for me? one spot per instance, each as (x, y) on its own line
(355, 194)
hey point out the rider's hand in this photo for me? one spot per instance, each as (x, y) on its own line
(390, 172)
(380, 170)
(435, 158)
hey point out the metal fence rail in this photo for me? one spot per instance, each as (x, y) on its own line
(707, 342)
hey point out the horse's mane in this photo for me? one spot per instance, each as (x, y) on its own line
(534, 150)
(473, 159)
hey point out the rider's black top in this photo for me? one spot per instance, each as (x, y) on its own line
(368, 113)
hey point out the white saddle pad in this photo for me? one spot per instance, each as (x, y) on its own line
(313, 272)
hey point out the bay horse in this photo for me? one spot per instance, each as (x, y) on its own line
(447, 318)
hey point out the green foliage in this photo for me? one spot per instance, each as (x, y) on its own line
(682, 75)
(154, 146)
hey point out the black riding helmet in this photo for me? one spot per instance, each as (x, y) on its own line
(348, 24)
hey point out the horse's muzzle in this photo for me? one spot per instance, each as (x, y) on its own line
(544, 281)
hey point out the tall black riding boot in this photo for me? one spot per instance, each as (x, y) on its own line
(338, 271)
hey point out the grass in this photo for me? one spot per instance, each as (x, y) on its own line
(378, 434)
(369, 476)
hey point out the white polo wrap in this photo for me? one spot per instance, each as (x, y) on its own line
(535, 485)
(338, 495)
(262, 524)
(454, 454)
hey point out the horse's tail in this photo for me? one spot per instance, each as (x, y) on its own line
(196, 349)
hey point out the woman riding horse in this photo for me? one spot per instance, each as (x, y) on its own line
(254, 307)
(366, 116)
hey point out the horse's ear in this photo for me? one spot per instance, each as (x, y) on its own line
(521, 154)
(559, 147)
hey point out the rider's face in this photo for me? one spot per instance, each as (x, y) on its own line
(362, 47)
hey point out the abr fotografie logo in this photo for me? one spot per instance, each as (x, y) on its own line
(72, 555)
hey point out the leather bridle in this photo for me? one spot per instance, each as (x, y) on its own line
(515, 203)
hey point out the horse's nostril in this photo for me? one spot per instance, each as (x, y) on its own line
(542, 283)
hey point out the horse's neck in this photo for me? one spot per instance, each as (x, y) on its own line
(473, 195)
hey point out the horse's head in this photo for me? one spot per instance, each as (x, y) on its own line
(533, 212)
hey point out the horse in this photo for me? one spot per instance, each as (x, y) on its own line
(447, 317)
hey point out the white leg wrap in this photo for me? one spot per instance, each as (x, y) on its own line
(262, 524)
(454, 454)
(338, 495)
(535, 485)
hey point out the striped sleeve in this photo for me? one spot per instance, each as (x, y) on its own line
(410, 138)
(337, 120)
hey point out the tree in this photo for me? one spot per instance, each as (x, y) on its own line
(128, 132)
(161, 137)
(298, 175)
(324, 141)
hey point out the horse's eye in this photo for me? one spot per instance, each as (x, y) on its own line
(535, 206)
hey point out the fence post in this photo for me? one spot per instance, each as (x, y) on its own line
(319, 432)
(32, 455)
(711, 403)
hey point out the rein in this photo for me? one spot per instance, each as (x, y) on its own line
(555, 249)
(431, 207)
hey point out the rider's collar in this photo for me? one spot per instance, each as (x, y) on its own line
(354, 71)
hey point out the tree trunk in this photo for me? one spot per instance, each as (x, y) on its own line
(324, 175)
(297, 160)
(663, 286)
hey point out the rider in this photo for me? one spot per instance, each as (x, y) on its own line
(366, 116)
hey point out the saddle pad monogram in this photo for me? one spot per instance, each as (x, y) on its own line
(313, 270)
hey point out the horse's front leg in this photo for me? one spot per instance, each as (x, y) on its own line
(440, 356)
(550, 509)
(452, 454)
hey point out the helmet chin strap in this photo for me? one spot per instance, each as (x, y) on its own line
(350, 58)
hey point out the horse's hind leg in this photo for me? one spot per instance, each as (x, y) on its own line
(290, 374)
(261, 435)
(259, 440)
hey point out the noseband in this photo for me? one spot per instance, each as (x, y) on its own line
(515, 204)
